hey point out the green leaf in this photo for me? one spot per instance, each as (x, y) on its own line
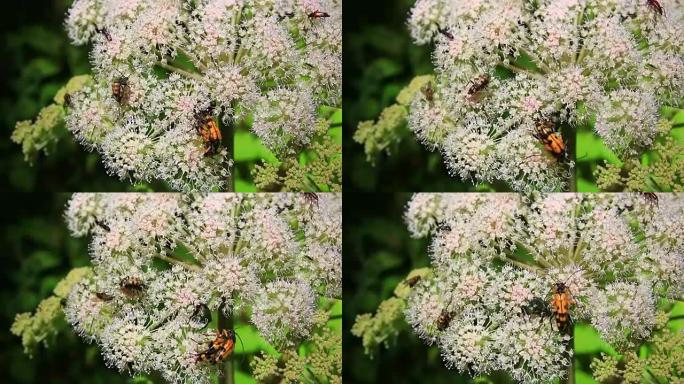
(584, 185)
(252, 341)
(44, 259)
(243, 378)
(582, 377)
(593, 149)
(248, 147)
(588, 341)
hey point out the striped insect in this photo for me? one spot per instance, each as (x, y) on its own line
(561, 302)
(208, 129)
(121, 90)
(429, 93)
(445, 33)
(318, 14)
(219, 349)
(132, 287)
(475, 87)
(656, 7)
(412, 281)
(444, 319)
(651, 198)
(547, 134)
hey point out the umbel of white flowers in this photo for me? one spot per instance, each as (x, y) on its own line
(505, 68)
(271, 256)
(496, 258)
(160, 66)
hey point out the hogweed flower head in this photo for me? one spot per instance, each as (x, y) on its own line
(161, 67)
(162, 263)
(503, 69)
(497, 258)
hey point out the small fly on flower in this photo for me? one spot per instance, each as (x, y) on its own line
(446, 33)
(444, 319)
(539, 307)
(656, 7)
(102, 225)
(651, 198)
(412, 281)
(475, 88)
(120, 90)
(318, 14)
(104, 32)
(207, 128)
(547, 134)
(103, 296)
(429, 93)
(201, 314)
(132, 287)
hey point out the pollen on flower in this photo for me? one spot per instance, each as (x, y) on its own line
(568, 62)
(170, 62)
(164, 264)
(487, 301)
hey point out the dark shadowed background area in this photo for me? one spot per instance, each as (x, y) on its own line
(378, 254)
(37, 252)
(37, 60)
(379, 60)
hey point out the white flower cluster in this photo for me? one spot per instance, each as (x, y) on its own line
(164, 263)
(497, 259)
(504, 68)
(161, 66)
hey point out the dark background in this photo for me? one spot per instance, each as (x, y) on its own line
(37, 61)
(379, 60)
(378, 254)
(37, 252)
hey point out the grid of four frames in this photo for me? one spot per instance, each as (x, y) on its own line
(511, 209)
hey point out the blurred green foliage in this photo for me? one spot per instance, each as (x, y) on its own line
(379, 61)
(37, 253)
(379, 254)
(592, 152)
(38, 61)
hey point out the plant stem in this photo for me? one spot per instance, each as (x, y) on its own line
(183, 72)
(571, 366)
(229, 134)
(227, 371)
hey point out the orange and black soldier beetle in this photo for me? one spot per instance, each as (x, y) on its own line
(318, 14)
(547, 134)
(220, 348)
(561, 302)
(656, 7)
(207, 128)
